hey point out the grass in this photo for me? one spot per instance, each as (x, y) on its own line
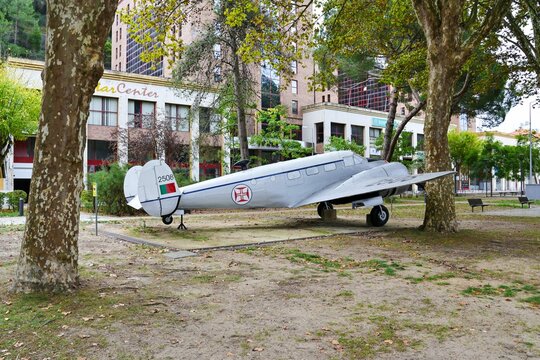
(65, 326)
(434, 278)
(507, 291)
(533, 300)
(387, 335)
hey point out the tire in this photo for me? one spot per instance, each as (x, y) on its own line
(379, 215)
(324, 206)
(167, 220)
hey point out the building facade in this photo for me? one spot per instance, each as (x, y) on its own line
(126, 107)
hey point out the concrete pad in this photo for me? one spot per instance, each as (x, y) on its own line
(221, 230)
(179, 254)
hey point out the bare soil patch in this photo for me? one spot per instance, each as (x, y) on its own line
(390, 293)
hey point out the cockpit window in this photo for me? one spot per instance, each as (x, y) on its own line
(358, 159)
(348, 161)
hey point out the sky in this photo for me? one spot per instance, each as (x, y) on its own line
(519, 116)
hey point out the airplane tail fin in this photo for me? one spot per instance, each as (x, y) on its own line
(156, 189)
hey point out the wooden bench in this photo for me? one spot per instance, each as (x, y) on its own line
(476, 202)
(523, 200)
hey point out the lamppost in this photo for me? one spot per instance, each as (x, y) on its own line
(530, 145)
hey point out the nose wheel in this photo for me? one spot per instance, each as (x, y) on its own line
(379, 215)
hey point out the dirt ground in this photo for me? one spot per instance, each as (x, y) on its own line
(390, 293)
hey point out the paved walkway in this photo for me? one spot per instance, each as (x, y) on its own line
(534, 211)
(19, 220)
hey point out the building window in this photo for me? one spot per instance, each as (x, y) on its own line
(294, 67)
(270, 94)
(357, 134)
(208, 121)
(120, 66)
(217, 51)
(374, 133)
(294, 86)
(217, 74)
(116, 53)
(294, 107)
(120, 33)
(328, 97)
(103, 111)
(116, 19)
(420, 142)
(319, 130)
(323, 98)
(177, 116)
(116, 36)
(337, 130)
(120, 50)
(141, 114)
(99, 150)
(403, 110)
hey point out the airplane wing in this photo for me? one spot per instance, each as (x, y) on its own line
(362, 183)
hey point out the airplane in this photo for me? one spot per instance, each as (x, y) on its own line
(327, 179)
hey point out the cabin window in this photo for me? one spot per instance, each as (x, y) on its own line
(330, 167)
(312, 171)
(293, 175)
(348, 161)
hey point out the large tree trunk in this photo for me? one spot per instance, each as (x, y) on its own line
(76, 34)
(444, 26)
(440, 208)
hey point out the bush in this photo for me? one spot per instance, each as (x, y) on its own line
(110, 194)
(2, 199)
(13, 198)
(87, 200)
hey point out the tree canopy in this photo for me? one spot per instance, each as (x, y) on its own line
(19, 112)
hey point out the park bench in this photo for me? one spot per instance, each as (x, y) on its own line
(476, 202)
(523, 200)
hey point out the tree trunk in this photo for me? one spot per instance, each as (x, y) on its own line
(440, 208)
(390, 124)
(76, 34)
(240, 104)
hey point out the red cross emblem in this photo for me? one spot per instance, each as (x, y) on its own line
(241, 194)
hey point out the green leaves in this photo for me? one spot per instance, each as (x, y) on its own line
(19, 111)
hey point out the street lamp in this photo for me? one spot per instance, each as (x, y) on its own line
(530, 145)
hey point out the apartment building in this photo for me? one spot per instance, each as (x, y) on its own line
(270, 87)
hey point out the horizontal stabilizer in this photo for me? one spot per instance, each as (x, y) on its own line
(135, 203)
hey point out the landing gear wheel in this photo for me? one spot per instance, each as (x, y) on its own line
(167, 220)
(324, 206)
(379, 215)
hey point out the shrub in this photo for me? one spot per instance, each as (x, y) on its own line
(13, 198)
(2, 199)
(110, 194)
(87, 200)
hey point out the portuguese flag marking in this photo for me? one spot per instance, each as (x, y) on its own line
(167, 188)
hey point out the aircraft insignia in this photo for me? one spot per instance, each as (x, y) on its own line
(241, 194)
